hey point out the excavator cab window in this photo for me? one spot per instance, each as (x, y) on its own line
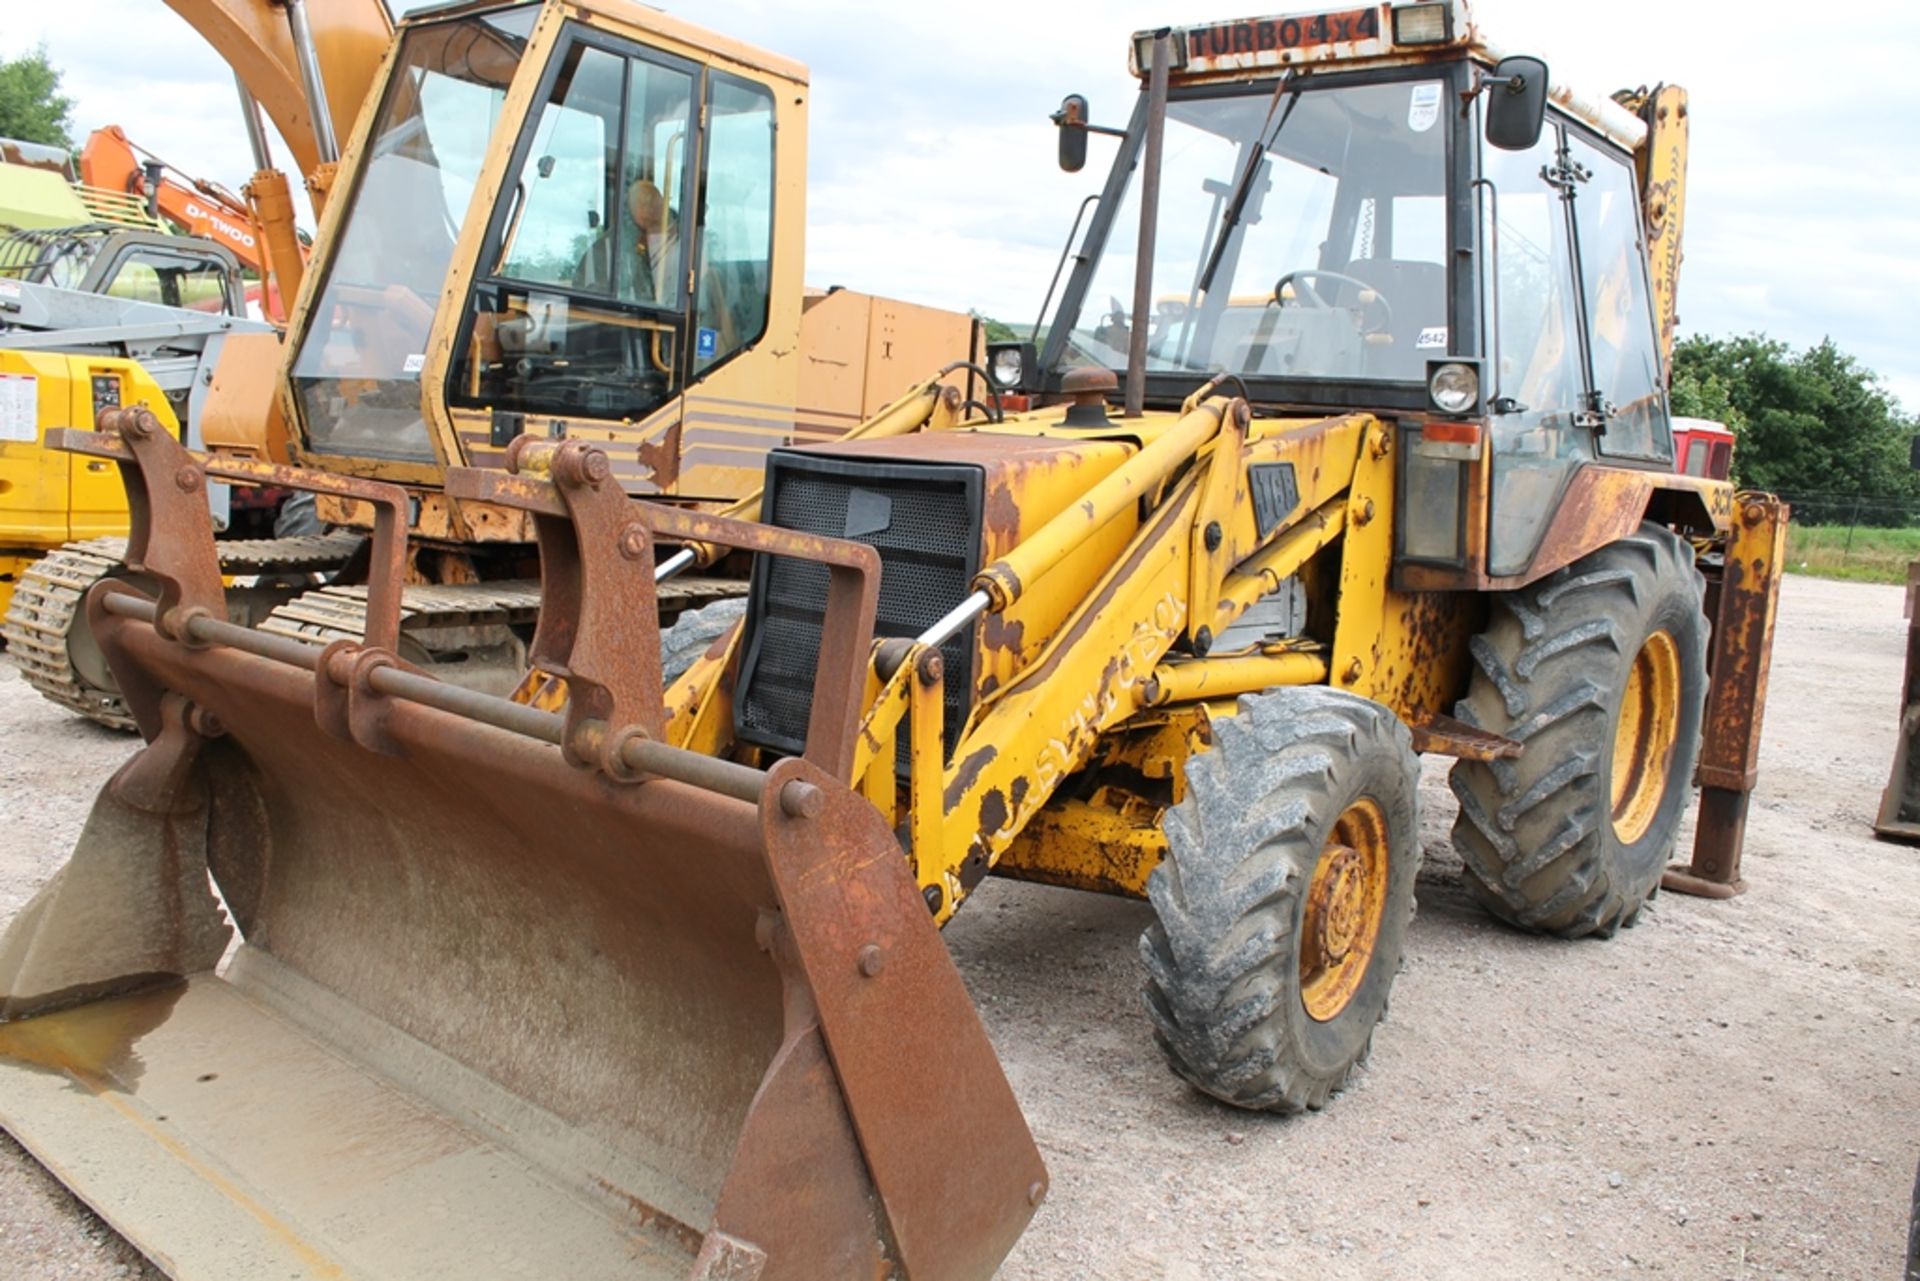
(736, 238)
(364, 343)
(580, 305)
(173, 279)
(1537, 442)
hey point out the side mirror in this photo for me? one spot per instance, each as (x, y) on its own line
(1516, 103)
(1072, 121)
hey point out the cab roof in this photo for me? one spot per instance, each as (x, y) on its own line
(632, 14)
(1380, 34)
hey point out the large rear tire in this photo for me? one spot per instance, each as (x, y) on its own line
(1284, 898)
(1599, 669)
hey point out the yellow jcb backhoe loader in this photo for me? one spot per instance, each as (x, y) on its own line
(585, 220)
(650, 985)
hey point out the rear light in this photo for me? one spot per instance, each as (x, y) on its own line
(1451, 433)
(1458, 441)
(1426, 23)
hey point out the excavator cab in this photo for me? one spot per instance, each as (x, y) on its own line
(596, 187)
(139, 265)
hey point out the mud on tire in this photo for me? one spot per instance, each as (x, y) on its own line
(1571, 838)
(1228, 981)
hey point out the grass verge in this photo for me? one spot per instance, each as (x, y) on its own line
(1859, 554)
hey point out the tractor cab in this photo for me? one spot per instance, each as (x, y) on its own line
(1370, 209)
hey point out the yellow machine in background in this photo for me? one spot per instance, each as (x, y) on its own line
(581, 221)
(48, 498)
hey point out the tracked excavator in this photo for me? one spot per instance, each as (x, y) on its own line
(586, 222)
(648, 982)
(197, 206)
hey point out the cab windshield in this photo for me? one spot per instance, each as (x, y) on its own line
(357, 373)
(1301, 234)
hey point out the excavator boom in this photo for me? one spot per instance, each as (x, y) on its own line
(349, 37)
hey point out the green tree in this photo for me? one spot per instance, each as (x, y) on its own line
(997, 331)
(1808, 421)
(32, 108)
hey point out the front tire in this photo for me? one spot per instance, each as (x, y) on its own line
(1284, 898)
(1599, 670)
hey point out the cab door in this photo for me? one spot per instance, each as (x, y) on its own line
(1538, 387)
(1629, 386)
(632, 258)
(1575, 357)
(579, 304)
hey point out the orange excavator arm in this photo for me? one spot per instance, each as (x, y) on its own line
(112, 162)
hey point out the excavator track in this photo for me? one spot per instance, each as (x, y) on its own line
(340, 613)
(462, 630)
(50, 600)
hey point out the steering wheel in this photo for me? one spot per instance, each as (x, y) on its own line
(1306, 290)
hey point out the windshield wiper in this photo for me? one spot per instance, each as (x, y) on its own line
(1242, 189)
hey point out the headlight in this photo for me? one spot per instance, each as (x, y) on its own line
(1427, 23)
(1454, 388)
(1007, 365)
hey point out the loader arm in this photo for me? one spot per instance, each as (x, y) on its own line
(1159, 555)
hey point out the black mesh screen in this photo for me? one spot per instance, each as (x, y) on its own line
(925, 522)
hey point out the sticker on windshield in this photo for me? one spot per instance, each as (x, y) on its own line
(1423, 108)
(705, 343)
(414, 363)
(1432, 336)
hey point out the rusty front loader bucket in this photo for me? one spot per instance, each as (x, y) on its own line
(519, 994)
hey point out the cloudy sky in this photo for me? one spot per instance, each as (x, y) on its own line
(932, 170)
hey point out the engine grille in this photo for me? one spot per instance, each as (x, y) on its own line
(923, 519)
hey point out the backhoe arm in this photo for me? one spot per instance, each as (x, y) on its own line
(1661, 167)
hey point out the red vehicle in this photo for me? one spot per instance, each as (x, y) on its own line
(1702, 447)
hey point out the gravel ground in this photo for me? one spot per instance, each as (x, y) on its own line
(1728, 1090)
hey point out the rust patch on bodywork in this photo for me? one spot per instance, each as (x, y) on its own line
(969, 771)
(661, 456)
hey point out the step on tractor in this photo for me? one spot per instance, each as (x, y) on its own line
(582, 221)
(644, 978)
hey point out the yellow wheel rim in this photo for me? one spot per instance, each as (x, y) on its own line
(1345, 905)
(1644, 735)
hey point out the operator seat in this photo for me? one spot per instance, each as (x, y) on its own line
(1417, 293)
